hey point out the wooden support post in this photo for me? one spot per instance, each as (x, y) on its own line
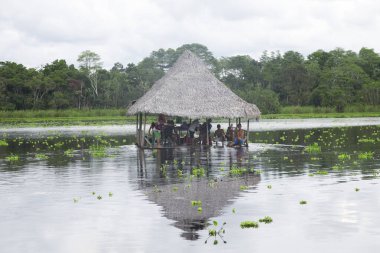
(137, 129)
(140, 130)
(207, 142)
(229, 122)
(247, 133)
(239, 121)
(144, 129)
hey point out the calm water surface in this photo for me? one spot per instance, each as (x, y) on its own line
(49, 197)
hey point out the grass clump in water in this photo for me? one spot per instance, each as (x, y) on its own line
(249, 224)
(243, 187)
(41, 156)
(303, 202)
(98, 151)
(366, 155)
(313, 148)
(12, 158)
(344, 156)
(321, 172)
(3, 143)
(198, 172)
(266, 220)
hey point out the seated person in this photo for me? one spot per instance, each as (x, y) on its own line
(230, 133)
(219, 134)
(240, 136)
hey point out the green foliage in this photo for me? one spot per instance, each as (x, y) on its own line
(266, 220)
(366, 155)
(249, 224)
(303, 202)
(313, 148)
(41, 156)
(198, 171)
(336, 81)
(3, 143)
(12, 158)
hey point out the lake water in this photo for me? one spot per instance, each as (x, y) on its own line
(85, 191)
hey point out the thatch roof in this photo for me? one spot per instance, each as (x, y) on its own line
(189, 89)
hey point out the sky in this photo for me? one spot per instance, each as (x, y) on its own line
(37, 32)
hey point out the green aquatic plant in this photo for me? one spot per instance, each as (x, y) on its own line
(357, 189)
(198, 172)
(321, 172)
(269, 186)
(12, 158)
(110, 194)
(196, 203)
(236, 171)
(243, 187)
(344, 156)
(76, 200)
(266, 220)
(69, 152)
(199, 209)
(233, 210)
(41, 156)
(3, 143)
(313, 148)
(98, 151)
(99, 197)
(249, 224)
(366, 155)
(364, 140)
(216, 232)
(175, 188)
(337, 167)
(303, 202)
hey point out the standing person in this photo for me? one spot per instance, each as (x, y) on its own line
(219, 135)
(193, 126)
(240, 136)
(230, 135)
(150, 133)
(157, 135)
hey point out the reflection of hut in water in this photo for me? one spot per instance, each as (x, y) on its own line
(190, 90)
(215, 194)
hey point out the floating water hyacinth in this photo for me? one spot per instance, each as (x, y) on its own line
(41, 156)
(266, 220)
(303, 202)
(249, 224)
(12, 158)
(3, 143)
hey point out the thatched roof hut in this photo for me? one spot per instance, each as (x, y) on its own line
(190, 90)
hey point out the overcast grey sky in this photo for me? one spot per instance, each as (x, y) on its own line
(36, 32)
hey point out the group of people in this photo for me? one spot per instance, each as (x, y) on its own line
(234, 136)
(195, 133)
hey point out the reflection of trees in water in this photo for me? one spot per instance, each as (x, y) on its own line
(175, 194)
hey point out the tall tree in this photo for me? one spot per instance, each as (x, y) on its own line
(90, 64)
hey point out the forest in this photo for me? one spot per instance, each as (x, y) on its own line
(335, 79)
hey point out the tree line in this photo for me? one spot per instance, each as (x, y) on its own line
(329, 79)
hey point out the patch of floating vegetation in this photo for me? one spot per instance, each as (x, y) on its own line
(3, 143)
(366, 155)
(98, 151)
(12, 158)
(249, 224)
(243, 187)
(69, 152)
(198, 172)
(321, 172)
(365, 140)
(216, 233)
(344, 156)
(313, 148)
(41, 157)
(303, 202)
(266, 220)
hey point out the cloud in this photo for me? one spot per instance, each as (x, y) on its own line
(36, 32)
